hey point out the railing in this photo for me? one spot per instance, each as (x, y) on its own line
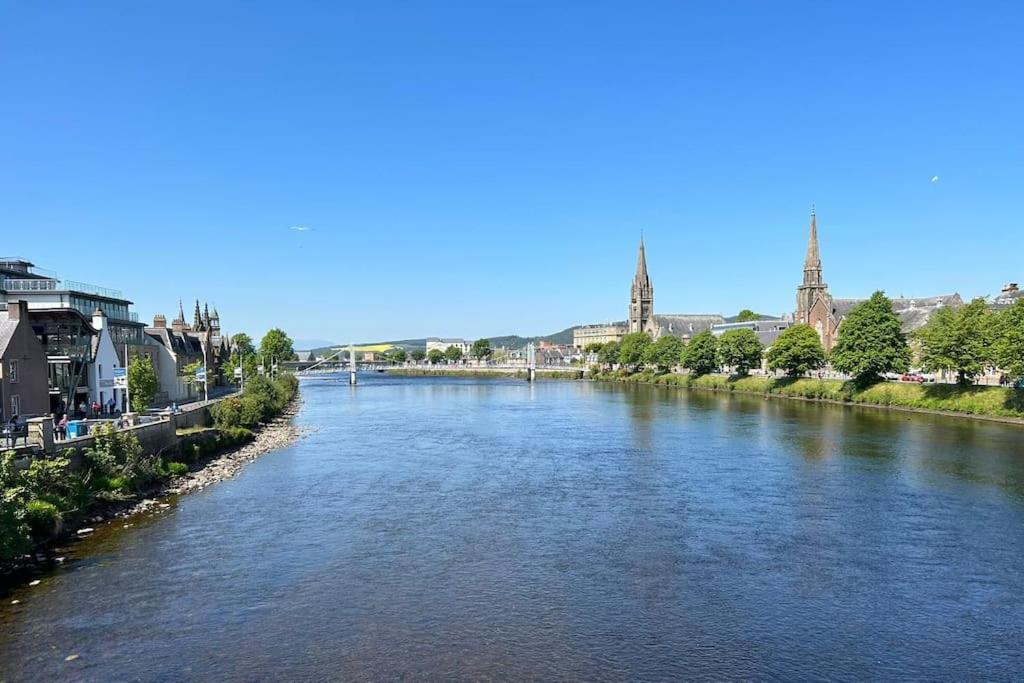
(29, 285)
(55, 285)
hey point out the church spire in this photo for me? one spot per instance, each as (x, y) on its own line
(197, 318)
(812, 263)
(641, 265)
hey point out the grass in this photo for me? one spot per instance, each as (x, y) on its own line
(965, 400)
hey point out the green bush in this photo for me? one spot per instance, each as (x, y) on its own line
(177, 469)
(42, 518)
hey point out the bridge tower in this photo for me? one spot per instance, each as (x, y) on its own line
(352, 364)
(531, 363)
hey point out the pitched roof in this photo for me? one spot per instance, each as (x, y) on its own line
(913, 312)
(686, 324)
(7, 329)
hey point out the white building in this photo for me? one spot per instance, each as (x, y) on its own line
(104, 359)
(443, 344)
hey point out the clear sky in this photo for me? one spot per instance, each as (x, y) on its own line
(483, 168)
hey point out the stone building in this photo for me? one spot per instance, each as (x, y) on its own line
(641, 297)
(23, 365)
(814, 305)
(585, 335)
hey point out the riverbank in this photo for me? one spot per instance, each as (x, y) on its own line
(51, 499)
(456, 371)
(978, 402)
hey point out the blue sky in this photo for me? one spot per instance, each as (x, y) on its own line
(472, 169)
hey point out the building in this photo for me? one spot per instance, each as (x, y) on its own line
(814, 304)
(1008, 296)
(767, 330)
(585, 335)
(178, 348)
(60, 312)
(101, 367)
(684, 325)
(641, 297)
(22, 280)
(816, 307)
(24, 389)
(443, 344)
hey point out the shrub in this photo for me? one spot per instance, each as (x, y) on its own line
(177, 469)
(42, 518)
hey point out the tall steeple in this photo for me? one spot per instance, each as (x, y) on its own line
(812, 263)
(641, 299)
(197, 318)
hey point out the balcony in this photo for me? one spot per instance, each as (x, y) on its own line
(55, 285)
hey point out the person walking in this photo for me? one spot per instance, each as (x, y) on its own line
(62, 427)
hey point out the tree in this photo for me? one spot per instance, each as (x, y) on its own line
(242, 353)
(481, 349)
(242, 343)
(740, 349)
(1008, 346)
(609, 354)
(435, 356)
(958, 340)
(453, 354)
(701, 354)
(665, 353)
(418, 355)
(277, 344)
(797, 351)
(593, 347)
(871, 341)
(633, 349)
(397, 355)
(142, 383)
(747, 315)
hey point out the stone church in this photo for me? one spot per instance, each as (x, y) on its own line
(641, 309)
(816, 307)
(814, 304)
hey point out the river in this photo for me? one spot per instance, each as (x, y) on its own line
(440, 528)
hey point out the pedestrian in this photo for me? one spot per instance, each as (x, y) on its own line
(12, 431)
(62, 427)
(95, 408)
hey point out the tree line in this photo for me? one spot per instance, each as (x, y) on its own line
(965, 341)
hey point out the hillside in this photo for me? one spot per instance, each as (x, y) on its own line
(509, 341)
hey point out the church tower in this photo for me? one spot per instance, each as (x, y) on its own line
(641, 299)
(813, 302)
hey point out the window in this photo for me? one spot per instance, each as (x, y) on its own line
(15, 404)
(100, 367)
(13, 364)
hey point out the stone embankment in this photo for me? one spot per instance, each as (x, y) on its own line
(279, 433)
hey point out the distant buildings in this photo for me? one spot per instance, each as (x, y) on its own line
(443, 344)
(585, 335)
(23, 387)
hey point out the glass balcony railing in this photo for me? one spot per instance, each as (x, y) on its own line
(55, 285)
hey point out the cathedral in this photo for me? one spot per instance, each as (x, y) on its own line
(814, 304)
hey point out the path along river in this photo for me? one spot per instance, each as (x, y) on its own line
(467, 528)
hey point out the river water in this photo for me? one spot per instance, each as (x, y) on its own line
(439, 528)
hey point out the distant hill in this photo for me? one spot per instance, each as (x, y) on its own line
(512, 341)
(306, 344)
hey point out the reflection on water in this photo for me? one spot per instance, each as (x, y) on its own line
(442, 528)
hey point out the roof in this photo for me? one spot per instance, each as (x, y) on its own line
(686, 324)
(1010, 295)
(7, 329)
(178, 344)
(913, 312)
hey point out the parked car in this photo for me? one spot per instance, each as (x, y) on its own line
(1019, 384)
(912, 377)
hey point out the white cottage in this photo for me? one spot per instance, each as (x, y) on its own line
(101, 369)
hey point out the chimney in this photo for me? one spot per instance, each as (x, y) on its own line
(99, 319)
(17, 310)
(1010, 288)
(159, 321)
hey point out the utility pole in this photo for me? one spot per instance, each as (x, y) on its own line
(127, 397)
